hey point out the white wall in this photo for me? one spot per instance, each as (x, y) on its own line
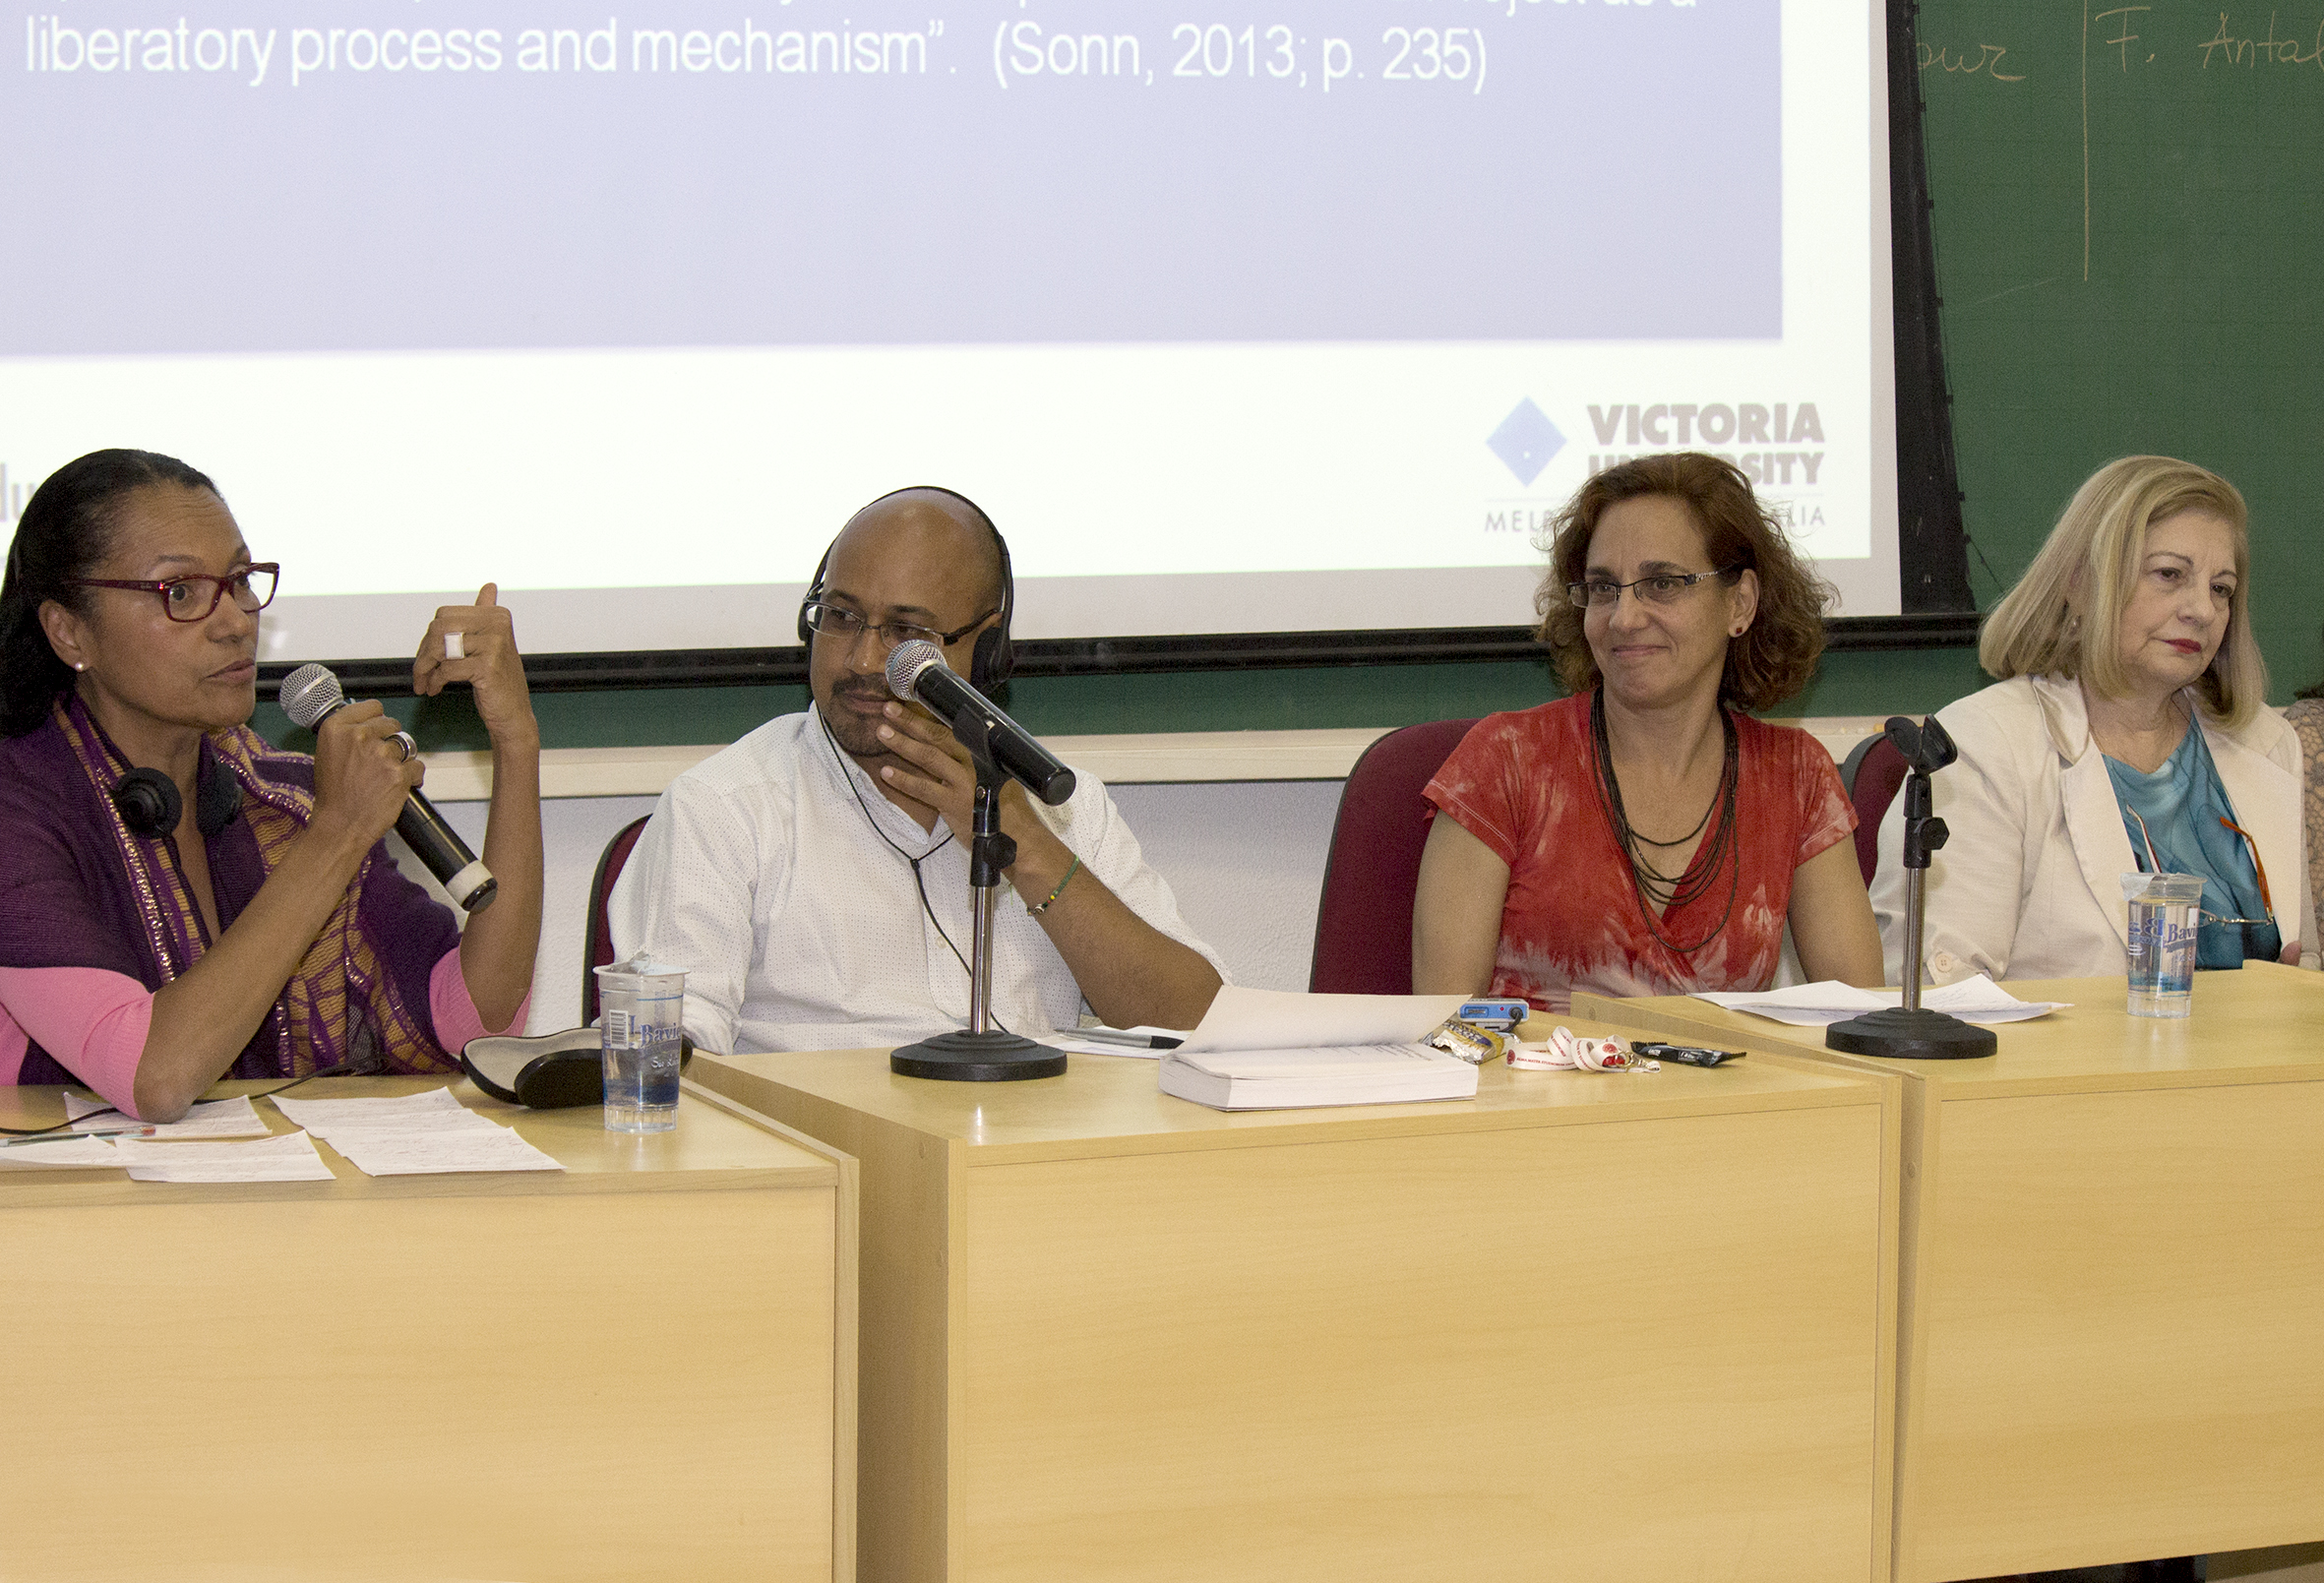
(1246, 859)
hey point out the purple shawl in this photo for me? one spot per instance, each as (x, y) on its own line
(79, 889)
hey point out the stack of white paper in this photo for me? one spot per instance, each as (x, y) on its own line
(220, 1118)
(290, 1157)
(1272, 1050)
(415, 1134)
(1294, 1080)
(1808, 1005)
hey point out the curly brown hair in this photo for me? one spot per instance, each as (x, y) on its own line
(1776, 655)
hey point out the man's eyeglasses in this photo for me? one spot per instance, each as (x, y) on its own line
(194, 596)
(840, 622)
(1664, 589)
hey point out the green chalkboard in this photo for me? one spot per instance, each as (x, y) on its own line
(2130, 257)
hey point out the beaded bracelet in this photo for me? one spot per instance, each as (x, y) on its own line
(1071, 868)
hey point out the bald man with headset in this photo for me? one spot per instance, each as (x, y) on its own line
(813, 879)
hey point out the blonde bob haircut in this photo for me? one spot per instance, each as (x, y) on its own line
(2064, 617)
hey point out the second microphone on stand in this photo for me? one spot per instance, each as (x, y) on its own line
(309, 696)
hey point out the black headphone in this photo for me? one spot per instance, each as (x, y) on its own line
(148, 803)
(995, 656)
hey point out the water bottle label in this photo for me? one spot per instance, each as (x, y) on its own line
(618, 1027)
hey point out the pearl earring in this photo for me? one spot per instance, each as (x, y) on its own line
(78, 665)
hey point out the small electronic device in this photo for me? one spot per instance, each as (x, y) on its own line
(1686, 1055)
(546, 1071)
(1500, 1015)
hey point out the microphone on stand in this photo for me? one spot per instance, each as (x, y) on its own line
(1913, 1031)
(979, 1053)
(309, 696)
(917, 671)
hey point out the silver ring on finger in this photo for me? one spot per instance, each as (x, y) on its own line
(456, 646)
(402, 739)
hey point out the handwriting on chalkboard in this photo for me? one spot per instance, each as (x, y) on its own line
(1940, 57)
(2232, 49)
(2124, 37)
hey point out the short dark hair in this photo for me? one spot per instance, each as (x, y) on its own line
(65, 534)
(1775, 658)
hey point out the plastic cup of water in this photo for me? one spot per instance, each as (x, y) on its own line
(643, 1004)
(2163, 918)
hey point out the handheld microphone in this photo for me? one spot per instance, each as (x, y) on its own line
(917, 671)
(309, 696)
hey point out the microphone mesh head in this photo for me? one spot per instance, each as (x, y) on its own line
(907, 661)
(308, 694)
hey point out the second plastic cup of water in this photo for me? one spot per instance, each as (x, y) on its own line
(643, 1006)
(2164, 919)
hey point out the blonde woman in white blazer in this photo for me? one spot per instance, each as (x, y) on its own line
(2130, 629)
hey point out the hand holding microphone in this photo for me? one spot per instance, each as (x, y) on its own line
(917, 671)
(309, 696)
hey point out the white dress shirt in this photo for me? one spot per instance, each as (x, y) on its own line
(777, 875)
(2029, 884)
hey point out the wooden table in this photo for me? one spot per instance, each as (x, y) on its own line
(1584, 1326)
(420, 1377)
(2112, 1275)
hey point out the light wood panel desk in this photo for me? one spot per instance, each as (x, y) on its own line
(403, 1377)
(1585, 1326)
(2112, 1276)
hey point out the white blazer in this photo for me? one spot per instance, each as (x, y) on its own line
(2028, 885)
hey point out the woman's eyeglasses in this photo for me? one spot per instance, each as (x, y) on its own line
(194, 596)
(1664, 589)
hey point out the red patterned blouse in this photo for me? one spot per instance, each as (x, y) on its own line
(1525, 784)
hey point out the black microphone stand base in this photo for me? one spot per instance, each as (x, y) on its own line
(992, 1057)
(1919, 1034)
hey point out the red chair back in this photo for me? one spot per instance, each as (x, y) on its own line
(1364, 924)
(1878, 776)
(597, 933)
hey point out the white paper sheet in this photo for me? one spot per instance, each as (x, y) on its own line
(292, 1157)
(1974, 999)
(59, 1153)
(384, 1152)
(1280, 1019)
(416, 1133)
(434, 1111)
(219, 1118)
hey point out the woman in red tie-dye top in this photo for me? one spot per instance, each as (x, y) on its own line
(1645, 836)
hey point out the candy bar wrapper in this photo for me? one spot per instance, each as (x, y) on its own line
(1472, 1044)
(1568, 1051)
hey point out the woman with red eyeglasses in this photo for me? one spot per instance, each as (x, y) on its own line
(183, 900)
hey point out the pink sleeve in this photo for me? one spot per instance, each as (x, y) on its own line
(455, 1013)
(92, 1021)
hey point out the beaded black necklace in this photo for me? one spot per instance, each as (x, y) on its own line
(1649, 884)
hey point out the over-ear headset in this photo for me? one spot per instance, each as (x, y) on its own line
(150, 807)
(995, 656)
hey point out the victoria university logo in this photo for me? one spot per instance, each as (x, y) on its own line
(1777, 445)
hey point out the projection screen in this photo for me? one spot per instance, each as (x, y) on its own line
(1245, 316)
